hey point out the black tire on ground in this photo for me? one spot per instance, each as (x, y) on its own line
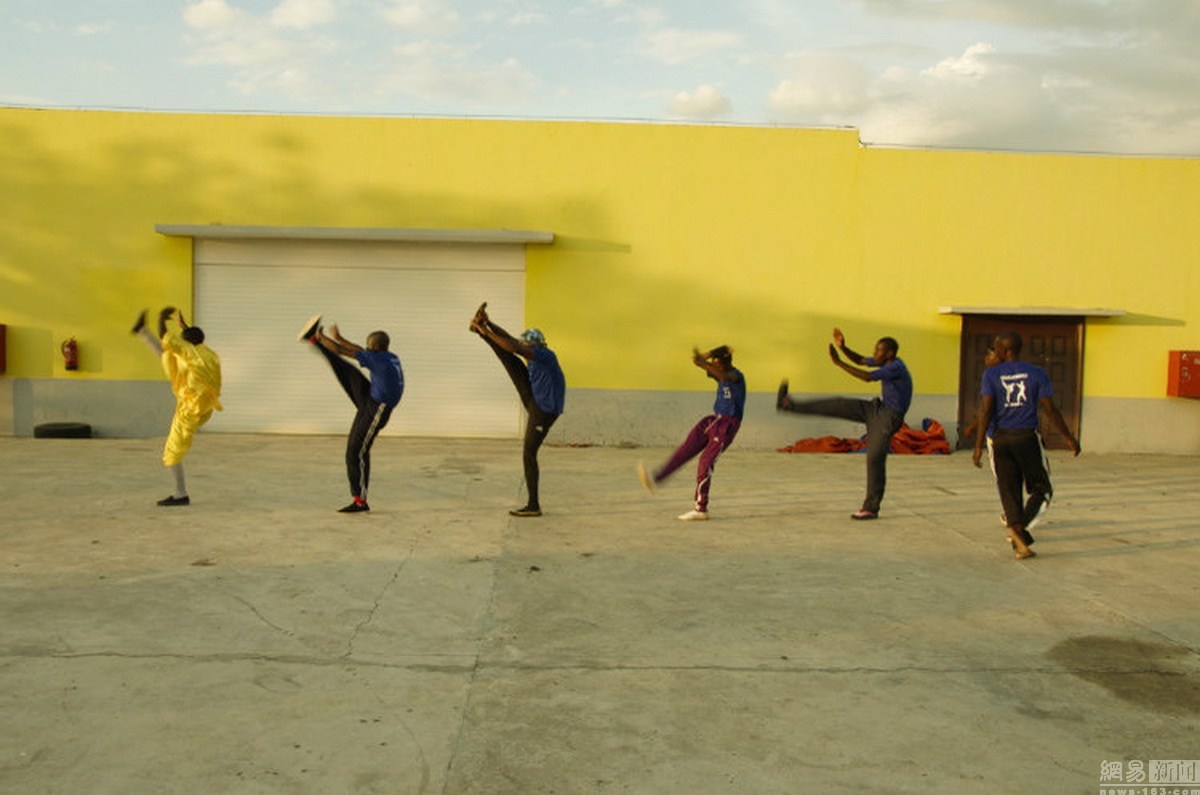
(63, 430)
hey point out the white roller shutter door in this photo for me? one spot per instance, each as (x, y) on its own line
(253, 296)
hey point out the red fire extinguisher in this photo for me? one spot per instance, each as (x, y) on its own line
(70, 352)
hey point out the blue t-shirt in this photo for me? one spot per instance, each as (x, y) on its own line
(387, 378)
(731, 395)
(897, 386)
(547, 380)
(1016, 388)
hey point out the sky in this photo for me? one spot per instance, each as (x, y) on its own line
(1104, 76)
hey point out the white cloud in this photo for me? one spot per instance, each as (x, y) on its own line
(706, 102)
(211, 15)
(93, 28)
(303, 14)
(524, 18)
(268, 55)
(422, 16)
(822, 88)
(973, 63)
(675, 46)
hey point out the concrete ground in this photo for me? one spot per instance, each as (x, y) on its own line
(259, 642)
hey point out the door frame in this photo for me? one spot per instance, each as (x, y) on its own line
(1070, 405)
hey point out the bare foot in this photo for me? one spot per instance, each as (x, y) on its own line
(480, 319)
(1020, 549)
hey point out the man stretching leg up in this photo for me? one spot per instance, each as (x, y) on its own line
(374, 399)
(540, 385)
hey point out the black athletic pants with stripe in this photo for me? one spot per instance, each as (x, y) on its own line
(369, 420)
(1019, 461)
(538, 424)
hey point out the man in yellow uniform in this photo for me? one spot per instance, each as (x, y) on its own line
(194, 371)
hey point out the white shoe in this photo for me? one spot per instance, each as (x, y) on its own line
(310, 329)
(644, 476)
(693, 516)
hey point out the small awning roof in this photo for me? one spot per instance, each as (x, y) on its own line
(391, 235)
(1033, 311)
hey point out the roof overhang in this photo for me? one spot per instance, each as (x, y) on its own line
(1030, 311)
(388, 235)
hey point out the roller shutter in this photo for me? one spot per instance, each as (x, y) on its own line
(252, 297)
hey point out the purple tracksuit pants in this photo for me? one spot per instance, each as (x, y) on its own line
(710, 437)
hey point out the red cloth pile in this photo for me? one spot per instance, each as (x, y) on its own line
(907, 441)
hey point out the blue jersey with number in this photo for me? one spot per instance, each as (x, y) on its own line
(1016, 388)
(731, 395)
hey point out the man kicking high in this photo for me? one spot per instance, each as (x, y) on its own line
(194, 371)
(374, 399)
(540, 385)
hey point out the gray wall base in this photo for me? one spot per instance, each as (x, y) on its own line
(612, 418)
(119, 409)
(657, 419)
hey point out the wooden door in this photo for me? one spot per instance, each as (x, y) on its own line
(1053, 343)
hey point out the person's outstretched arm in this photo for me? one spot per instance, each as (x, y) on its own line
(507, 341)
(861, 375)
(163, 316)
(711, 366)
(337, 343)
(839, 339)
(986, 406)
(1060, 425)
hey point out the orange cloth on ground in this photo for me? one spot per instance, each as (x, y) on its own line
(907, 440)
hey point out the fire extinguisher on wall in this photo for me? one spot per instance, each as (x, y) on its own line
(70, 352)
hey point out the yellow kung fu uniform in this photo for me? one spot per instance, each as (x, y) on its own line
(195, 375)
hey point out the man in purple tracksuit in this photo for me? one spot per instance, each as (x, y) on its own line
(374, 399)
(712, 435)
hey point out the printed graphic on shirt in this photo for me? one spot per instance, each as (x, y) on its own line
(1015, 392)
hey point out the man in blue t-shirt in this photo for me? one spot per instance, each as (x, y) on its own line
(1012, 394)
(540, 384)
(883, 416)
(712, 435)
(373, 398)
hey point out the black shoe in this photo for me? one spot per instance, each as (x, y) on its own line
(528, 510)
(309, 332)
(173, 500)
(355, 507)
(140, 324)
(782, 402)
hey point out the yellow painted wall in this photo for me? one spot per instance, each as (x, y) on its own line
(668, 236)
